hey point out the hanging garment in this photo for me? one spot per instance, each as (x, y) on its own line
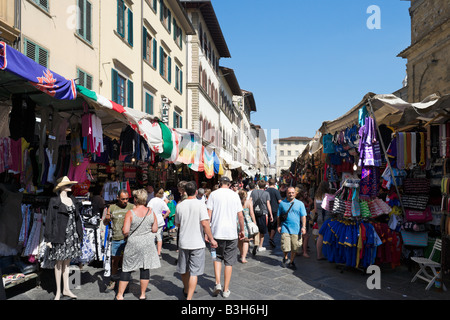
(78, 173)
(208, 157)
(22, 118)
(76, 152)
(31, 249)
(4, 121)
(10, 216)
(198, 163)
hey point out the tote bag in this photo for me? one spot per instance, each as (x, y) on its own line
(416, 239)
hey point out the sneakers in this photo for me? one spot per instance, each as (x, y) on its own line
(255, 250)
(226, 294)
(283, 263)
(217, 289)
(261, 249)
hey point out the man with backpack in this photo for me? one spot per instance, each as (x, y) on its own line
(263, 213)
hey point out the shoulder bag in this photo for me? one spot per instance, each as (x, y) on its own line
(139, 223)
(284, 215)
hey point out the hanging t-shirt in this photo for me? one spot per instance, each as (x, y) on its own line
(328, 145)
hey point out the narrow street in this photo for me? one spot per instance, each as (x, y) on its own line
(262, 278)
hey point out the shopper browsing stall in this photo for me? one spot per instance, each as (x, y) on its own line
(116, 216)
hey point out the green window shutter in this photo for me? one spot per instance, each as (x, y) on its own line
(181, 38)
(169, 69)
(144, 43)
(181, 122)
(181, 81)
(148, 103)
(154, 48)
(161, 10)
(130, 94)
(177, 70)
(114, 85)
(81, 20)
(175, 27)
(169, 19)
(161, 61)
(88, 21)
(174, 119)
(130, 27)
(155, 5)
(121, 17)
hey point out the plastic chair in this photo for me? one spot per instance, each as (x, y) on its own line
(428, 262)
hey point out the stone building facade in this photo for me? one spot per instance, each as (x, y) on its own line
(428, 67)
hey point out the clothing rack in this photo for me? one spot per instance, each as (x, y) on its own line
(385, 154)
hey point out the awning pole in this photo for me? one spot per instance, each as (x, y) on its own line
(385, 154)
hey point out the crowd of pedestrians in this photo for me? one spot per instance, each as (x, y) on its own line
(225, 219)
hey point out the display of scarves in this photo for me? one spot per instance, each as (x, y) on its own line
(176, 146)
(187, 147)
(208, 160)
(218, 168)
(198, 162)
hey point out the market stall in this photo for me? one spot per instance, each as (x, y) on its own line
(52, 128)
(386, 161)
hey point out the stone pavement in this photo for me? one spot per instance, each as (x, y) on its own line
(262, 278)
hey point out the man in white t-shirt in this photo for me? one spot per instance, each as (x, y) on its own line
(192, 219)
(225, 209)
(158, 204)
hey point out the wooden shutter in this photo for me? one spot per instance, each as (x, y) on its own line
(144, 43)
(130, 27)
(169, 19)
(154, 49)
(88, 21)
(161, 61)
(148, 103)
(42, 57)
(114, 76)
(81, 18)
(121, 18)
(169, 69)
(181, 81)
(130, 95)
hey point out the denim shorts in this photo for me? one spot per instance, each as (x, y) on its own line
(117, 247)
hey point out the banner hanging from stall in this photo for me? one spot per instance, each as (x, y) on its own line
(37, 75)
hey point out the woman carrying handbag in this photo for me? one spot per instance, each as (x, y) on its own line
(140, 227)
(250, 227)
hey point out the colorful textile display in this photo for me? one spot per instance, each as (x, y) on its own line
(208, 158)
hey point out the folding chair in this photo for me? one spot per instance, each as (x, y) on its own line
(428, 262)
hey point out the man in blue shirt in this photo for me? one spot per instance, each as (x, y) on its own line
(291, 227)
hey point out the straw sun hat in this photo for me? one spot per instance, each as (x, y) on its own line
(63, 181)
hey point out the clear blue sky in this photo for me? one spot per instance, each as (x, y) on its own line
(309, 61)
